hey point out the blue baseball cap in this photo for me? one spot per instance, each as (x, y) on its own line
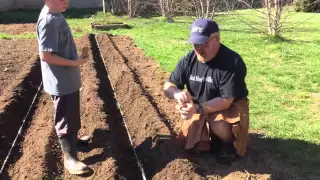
(201, 29)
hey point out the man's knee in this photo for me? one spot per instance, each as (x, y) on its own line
(222, 129)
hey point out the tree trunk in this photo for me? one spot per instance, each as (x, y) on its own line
(269, 19)
(213, 12)
(161, 3)
(207, 10)
(130, 9)
(104, 6)
(277, 17)
(202, 8)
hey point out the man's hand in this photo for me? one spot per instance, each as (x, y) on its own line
(185, 105)
(183, 97)
(80, 61)
(186, 110)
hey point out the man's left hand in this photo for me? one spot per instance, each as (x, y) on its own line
(186, 110)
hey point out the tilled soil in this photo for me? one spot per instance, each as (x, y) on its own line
(16, 56)
(18, 29)
(36, 147)
(18, 85)
(149, 116)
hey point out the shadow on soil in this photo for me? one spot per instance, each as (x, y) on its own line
(53, 157)
(265, 156)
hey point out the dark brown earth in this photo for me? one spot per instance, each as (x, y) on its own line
(16, 56)
(149, 116)
(18, 29)
(20, 77)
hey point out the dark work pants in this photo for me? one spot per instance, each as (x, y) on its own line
(66, 113)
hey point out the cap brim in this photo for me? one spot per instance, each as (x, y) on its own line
(198, 39)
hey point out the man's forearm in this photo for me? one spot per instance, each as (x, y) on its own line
(54, 59)
(170, 89)
(216, 104)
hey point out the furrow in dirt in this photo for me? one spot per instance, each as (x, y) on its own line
(14, 104)
(153, 137)
(110, 154)
(31, 161)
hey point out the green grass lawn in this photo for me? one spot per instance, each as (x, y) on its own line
(283, 74)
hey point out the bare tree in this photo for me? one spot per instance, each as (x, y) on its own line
(114, 6)
(274, 15)
(205, 8)
(200, 8)
(168, 8)
(132, 7)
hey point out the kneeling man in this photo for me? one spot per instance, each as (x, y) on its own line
(214, 104)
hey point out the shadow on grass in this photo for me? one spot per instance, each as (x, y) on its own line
(280, 39)
(149, 15)
(276, 158)
(243, 30)
(31, 16)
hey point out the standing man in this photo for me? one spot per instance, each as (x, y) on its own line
(215, 103)
(60, 66)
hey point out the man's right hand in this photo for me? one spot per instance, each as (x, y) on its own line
(183, 97)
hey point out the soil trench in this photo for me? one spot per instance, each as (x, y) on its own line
(15, 104)
(31, 160)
